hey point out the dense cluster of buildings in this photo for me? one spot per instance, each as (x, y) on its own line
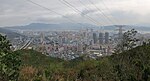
(70, 44)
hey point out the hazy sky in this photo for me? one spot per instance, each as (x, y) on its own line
(20, 12)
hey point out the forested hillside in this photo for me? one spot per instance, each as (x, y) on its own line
(132, 65)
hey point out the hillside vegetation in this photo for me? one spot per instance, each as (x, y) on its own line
(36, 59)
(132, 65)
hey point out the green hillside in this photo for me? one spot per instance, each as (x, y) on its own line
(132, 65)
(37, 59)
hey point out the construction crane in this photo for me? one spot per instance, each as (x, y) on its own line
(120, 31)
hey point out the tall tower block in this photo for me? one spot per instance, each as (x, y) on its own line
(101, 37)
(106, 37)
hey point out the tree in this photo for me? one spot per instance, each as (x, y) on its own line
(9, 61)
(127, 42)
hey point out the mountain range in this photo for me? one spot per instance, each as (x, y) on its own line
(9, 33)
(73, 26)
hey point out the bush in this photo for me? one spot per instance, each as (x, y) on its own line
(9, 61)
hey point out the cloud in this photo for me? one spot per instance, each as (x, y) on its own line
(86, 12)
(18, 12)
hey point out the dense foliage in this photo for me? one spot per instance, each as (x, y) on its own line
(9, 61)
(127, 41)
(132, 65)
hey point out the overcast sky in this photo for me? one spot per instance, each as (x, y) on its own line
(21, 12)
